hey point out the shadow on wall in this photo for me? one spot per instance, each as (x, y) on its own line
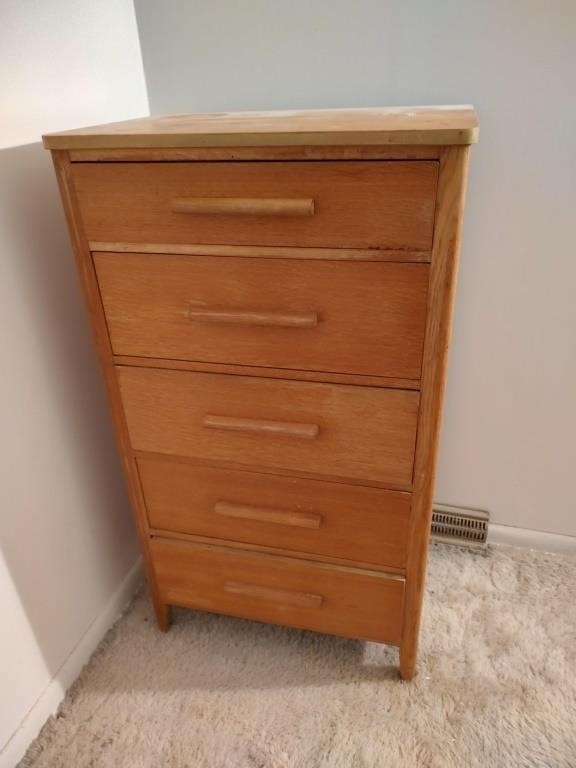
(65, 527)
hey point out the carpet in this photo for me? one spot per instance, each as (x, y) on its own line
(496, 686)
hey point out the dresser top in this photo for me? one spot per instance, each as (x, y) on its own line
(373, 126)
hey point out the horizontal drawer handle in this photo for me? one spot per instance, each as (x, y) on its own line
(240, 317)
(298, 599)
(262, 426)
(244, 206)
(268, 515)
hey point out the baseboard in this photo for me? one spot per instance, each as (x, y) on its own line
(524, 537)
(50, 698)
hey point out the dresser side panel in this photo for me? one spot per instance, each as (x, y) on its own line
(441, 293)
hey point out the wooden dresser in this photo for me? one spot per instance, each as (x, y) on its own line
(271, 298)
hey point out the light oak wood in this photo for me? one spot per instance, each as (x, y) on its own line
(281, 596)
(262, 426)
(364, 432)
(196, 576)
(289, 472)
(266, 319)
(267, 515)
(382, 125)
(350, 523)
(292, 554)
(366, 318)
(97, 321)
(270, 373)
(243, 206)
(384, 205)
(263, 154)
(451, 199)
(263, 365)
(264, 252)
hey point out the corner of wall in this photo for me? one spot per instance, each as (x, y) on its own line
(51, 697)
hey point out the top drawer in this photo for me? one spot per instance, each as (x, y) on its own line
(380, 204)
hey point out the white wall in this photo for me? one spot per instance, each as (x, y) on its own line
(66, 537)
(509, 438)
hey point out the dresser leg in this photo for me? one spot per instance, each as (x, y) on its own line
(408, 654)
(163, 616)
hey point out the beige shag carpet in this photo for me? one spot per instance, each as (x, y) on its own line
(496, 689)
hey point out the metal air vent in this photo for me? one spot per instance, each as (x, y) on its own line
(459, 525)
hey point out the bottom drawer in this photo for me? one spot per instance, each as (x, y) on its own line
(325, 598)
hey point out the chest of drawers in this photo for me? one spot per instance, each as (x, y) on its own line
(271, 298)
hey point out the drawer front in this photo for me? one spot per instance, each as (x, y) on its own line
(364, 318)
(353, 204)
(324, 598)
(337, 431)
(367, 525)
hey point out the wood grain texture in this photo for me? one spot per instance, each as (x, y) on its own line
(369, 317)
(354, 603)
(263, 252)
(381, 125)
(283, 471)
(292, 554)
(100, 334)
(289, 517)
(251, 317)
(321, 327)
(266, 427)
(352, 523)
(278, 596)
(364, 432)
(270, 373)
(450, 209)
(263, 154)
(244, 206)
(357, 204)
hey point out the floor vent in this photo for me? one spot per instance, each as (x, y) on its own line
(459, 525)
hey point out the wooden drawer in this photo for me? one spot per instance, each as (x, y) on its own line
(366, 525)
(338, 204)
(325, 598)
(365, 318)
(342, 432)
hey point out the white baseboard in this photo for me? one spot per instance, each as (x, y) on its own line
(524, 537)
(50, 698)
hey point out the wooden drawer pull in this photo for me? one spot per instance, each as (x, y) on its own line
(299, 599)
(238, 317)
(262, 426)
(268, 515)
(244, 206)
